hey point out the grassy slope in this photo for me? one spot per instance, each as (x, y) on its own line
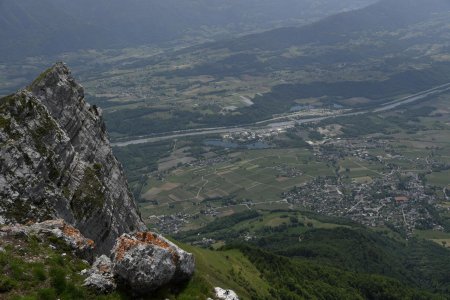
(332, 246)
(32, 270)
(230, 269)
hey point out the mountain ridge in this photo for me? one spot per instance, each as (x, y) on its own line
(382, 15)
(57, 162)
(51, 27)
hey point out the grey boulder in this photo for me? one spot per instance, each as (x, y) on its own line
(146, 261)
(100, 277)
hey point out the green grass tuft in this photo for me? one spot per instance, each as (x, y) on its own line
(6, 284)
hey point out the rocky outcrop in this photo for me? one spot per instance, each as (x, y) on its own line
(48, 231)
(142, 262)
(59, 176)
(100, 276)
(222, 294)
(145, 261)
(56, 162)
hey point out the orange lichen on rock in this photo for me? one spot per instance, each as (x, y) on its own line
(70, 231)
(103, 268)
(125, 244)
(142, 238)
(76, 234)
(150, 238)
(91, 243)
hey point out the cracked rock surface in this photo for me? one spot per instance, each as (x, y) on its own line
(145, 261)
(56, 162)
(141, 262)
(100, 276)
(58, 176)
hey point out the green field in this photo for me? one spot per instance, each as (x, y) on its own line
(441, 179)
(250, 180)
(243, 180)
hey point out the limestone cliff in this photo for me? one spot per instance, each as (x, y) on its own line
(56, 162)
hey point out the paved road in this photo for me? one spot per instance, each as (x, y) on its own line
(412, 98)
(272, 124)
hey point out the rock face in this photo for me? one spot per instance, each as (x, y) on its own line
(58, 174)
(142, 262)
(56, 162)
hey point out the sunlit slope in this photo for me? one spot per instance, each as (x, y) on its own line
(306, 256)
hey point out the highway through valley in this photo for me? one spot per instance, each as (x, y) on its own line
(276, 123)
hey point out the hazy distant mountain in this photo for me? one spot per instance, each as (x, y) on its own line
(385, 15)
(30, 27)
(379, 52)
(389, 27)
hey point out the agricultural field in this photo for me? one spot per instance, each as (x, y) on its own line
(441, 238)
(250, 177)
(191, 183)
(247, 179)
(337, 166)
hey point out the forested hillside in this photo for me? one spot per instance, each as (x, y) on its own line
(330, 257)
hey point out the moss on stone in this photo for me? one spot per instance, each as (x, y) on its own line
(18, 212)
(4, 123)
(5, 103)
(66, 191)
(98, 169)
(20, 108)
(21, 103)
(46, 127)
(40, 77)
(89, 196)
(53, 172)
